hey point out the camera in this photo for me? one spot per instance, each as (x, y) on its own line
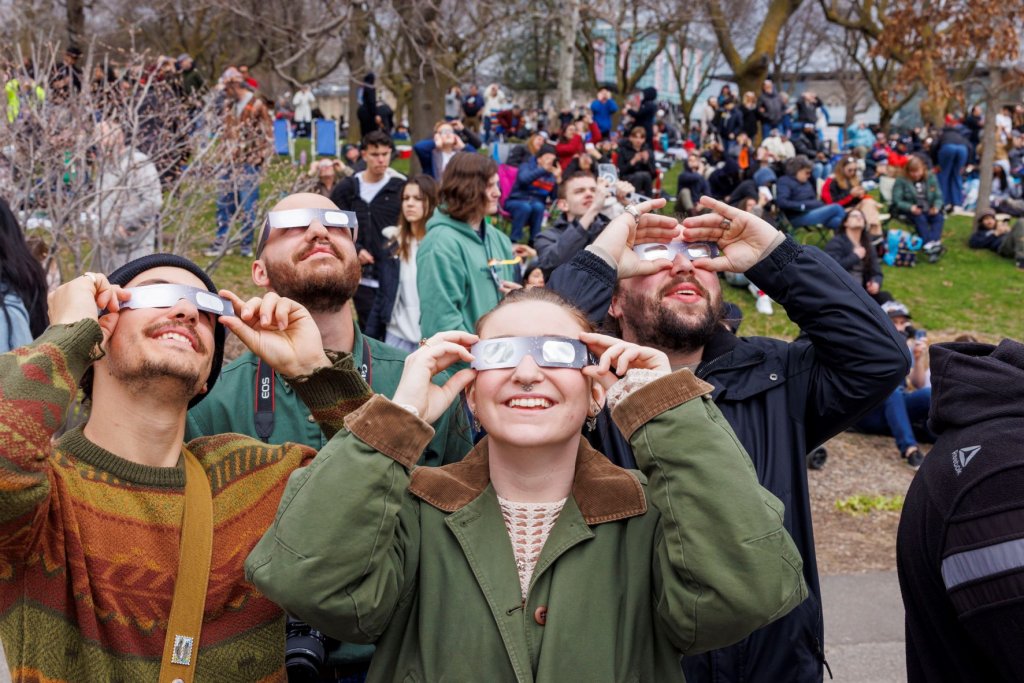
(304, 651)
(915, 333)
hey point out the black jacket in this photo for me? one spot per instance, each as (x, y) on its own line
(782, 399)
(382, 212)
(958, 546)
(563, 239)
(841, 249)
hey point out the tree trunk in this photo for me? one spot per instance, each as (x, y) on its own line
(76, 22)
(988, 140)
(567, 57)
(355, 58)
(426, 101)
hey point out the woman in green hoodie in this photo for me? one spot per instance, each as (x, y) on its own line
(464, 265)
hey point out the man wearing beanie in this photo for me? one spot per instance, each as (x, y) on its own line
(122, 549)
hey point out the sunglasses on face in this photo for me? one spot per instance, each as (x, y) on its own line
(691, 250)
(167, 295)
(302, 218)
(547, 352)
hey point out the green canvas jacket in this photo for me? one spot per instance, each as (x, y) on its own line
(904, 197)
(455, 283)
(639, 568)
(231, 406)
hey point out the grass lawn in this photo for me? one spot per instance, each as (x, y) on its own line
(968, 291)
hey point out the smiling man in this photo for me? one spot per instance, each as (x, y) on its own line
(307, 252)
(98, 529)
(781, 398)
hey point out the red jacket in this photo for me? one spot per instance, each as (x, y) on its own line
(567, 151)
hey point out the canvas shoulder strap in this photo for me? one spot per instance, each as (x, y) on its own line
(181, 644)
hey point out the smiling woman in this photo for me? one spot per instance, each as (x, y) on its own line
(499, 551)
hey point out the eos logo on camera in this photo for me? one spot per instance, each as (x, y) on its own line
(265, 388)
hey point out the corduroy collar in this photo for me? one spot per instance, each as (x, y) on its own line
(603, 491)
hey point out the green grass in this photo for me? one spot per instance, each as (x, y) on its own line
(862, 504)
(968, 291)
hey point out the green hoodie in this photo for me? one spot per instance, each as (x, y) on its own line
(452, 275)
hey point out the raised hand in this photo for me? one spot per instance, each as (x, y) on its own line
(742, 237)
(619, 236)
(615, 357)
(279, 331)
(83, 298)
(437, 354)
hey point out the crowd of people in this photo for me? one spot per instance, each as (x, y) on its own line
(447, 430)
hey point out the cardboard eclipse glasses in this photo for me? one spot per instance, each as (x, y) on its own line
(167, 295)
(691, 250)
(301, 218)
(547, 352)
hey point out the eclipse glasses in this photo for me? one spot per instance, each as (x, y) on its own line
(301, 218)
(167, 295)
(547, 352)
(691, 250)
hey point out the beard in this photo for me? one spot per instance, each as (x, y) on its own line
(325, 290)
(660, 326)
(184, 378)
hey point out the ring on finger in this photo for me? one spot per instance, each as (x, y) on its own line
(631, 210)
(92, 276)
(424, 342)
(724, 225)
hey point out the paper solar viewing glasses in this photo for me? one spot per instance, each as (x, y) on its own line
(301, 218)
(691, 250)
(167, 295)
(547, 352)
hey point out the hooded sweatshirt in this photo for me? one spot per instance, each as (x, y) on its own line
(452, 274)
(644, 115)
(960, 547)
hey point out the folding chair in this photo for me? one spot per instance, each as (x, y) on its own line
(284, 145)
(818, 235)
(325, 138)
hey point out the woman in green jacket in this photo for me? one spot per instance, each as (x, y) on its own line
(916, 199)
(535, 558)
(464, 264)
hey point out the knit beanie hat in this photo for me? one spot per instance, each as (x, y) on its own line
(126, 273)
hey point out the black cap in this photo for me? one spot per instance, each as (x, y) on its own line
(546, 149)
(129, 271)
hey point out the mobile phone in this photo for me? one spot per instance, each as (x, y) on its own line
(921, 334)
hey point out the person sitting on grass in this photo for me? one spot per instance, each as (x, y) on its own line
(998, 236)
(917, 200)
(904, 415)
(798, 198)
(851, 248)
(845, 189)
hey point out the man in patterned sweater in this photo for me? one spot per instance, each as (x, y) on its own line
(90, 526)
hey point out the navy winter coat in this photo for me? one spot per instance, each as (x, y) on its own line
(782, 399)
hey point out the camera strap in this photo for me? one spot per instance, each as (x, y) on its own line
(181, 643)
(264, 408)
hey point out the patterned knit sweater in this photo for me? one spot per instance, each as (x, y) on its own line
(89, 541)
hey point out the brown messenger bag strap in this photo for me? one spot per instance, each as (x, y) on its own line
(181, 644)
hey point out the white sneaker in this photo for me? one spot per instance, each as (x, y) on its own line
(764, 305)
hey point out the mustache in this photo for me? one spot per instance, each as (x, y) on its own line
(686, 279)
(317, 245)
(193, 330)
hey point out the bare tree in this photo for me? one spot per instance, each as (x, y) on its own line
(751, 70)
(77, 166)
(694, 63)
(639, 32)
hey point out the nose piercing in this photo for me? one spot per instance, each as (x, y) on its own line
(527, 388)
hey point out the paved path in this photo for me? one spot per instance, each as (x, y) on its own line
(864, 628)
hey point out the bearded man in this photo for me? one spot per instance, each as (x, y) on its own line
(782, 398)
